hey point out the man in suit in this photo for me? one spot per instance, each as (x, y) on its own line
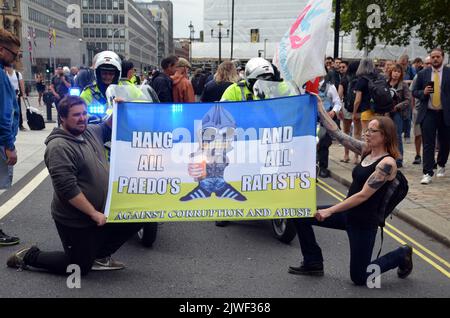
(433, 90)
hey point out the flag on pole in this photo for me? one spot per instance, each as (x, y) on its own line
(301, 52)
(34, 37)
(30, 45)
(54, 37)
(50, 36)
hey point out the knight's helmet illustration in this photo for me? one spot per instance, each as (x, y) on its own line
(216, 137)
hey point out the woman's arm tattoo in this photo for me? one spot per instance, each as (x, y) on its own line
(380, 176)
(353, 144)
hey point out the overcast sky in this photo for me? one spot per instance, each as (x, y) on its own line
(184, 12)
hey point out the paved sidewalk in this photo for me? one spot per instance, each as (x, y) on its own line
(30, 143)
(426, 207)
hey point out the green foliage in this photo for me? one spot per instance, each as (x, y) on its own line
(428, 20)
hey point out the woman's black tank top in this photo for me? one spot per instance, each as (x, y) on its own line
(365, 214)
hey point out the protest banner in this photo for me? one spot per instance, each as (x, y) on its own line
(213, 161)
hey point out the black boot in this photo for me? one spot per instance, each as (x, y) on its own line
(315, 269)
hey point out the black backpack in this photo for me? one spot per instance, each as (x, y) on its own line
(395, 193)
(380, 94)
(351, 94)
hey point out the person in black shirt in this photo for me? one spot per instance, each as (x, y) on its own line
(60, 84)
(161, 82)
(357, 214)
(225, 76)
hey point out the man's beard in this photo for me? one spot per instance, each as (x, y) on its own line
(76, 131)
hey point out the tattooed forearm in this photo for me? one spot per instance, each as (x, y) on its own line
(380, 176)
(353, 144)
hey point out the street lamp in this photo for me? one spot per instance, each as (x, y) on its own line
(119, 29)
(191, 37)
(220, 37)
(141, 53)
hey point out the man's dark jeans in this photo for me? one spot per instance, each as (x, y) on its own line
(432, 123)
(361, 241)
(82, 246)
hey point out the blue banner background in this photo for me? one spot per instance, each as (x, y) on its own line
(295, 111)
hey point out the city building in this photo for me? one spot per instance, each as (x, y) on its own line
(120, 26)
(168, 6)
(181, 47)
(259, 26)
(47, 37)
(11, 20)
(161, 21)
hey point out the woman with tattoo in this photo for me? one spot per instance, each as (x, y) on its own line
(357, 214)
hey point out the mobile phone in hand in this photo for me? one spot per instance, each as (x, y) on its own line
(432, 85)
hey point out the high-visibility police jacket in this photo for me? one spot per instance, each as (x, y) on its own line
(240, 92)
(237, 92)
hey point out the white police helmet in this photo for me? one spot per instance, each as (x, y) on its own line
(258, 68)
(108, 61)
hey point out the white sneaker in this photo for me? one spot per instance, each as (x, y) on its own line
(440, 172)
(426, 179)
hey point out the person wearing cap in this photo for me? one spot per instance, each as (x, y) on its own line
(60, 84)
(183, 92)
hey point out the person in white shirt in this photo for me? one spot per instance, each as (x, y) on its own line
(332, 104)
(16, 79)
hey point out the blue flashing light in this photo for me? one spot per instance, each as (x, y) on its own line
(177, 108)
(96, 109)
(74, 91)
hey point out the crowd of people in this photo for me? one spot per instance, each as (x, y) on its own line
(418, 98)
(420, 101)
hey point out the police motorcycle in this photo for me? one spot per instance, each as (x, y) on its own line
(101, 109)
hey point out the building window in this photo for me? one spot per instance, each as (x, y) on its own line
(109, 3)
(122, 47)
(103, 4)
(254, 35)
(98, 33)
(97, 4)
(115, 4)
(104, 33)
(116, 19)
(110, 33)
(85, 4)
(91, 18)
(110, 18)
(97, 18)
(91, 4)
(116, 46)
(121, 5)
(85, 18)
(104, 18)
(121, 19)
(86, 32)
(122, 33)
(91, 32)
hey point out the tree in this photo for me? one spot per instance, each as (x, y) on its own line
(428, 20)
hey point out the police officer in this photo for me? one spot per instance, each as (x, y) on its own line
(256, 68)
(108, 69)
